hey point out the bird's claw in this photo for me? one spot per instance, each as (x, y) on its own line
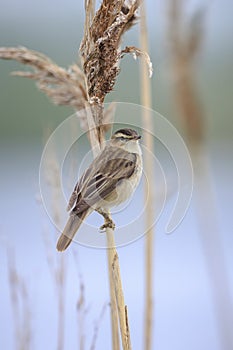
(108, 224)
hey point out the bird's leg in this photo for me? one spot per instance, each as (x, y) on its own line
(108, 222)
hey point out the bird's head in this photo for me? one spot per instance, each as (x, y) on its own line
(126, 139)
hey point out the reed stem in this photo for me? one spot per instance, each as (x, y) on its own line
(148, 142)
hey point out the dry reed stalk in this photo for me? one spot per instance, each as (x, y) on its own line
(97, 325)
(61, 304)
(81, 312)
(117, 296)
(183, 51)
(81, 306)
(212, 247)
(148, 142)
(86, 90)
(58, 269)
(96, 139)
(57, 263)
(100, 56)
(20, 305)
(114, 312)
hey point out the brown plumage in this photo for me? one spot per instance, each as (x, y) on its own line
(101, 185)
(69, 231)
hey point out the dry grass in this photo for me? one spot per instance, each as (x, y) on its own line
(87, 87)
(82, 311)
(58, 269)
(185, 43)
(84, 87)
(63, 86)
(148, 142)
(20, 303)
(185, 38)
(97, 326)
(100, 54)
(57, 264)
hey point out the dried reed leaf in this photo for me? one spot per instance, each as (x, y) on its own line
(138, 53)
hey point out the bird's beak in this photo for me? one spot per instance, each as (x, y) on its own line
(137, 137)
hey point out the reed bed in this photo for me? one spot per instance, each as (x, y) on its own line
(85, 87)
(185, 37)
(20, 303)
(149, 144)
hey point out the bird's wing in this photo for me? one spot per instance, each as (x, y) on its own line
(102, 177)
(79, 188)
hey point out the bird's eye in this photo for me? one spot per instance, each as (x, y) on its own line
(121, 138)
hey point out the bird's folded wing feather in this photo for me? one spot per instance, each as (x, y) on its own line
(101, 178)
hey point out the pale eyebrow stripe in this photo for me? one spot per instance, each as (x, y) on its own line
(123, 135)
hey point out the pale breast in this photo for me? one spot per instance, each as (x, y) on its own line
(125, 188)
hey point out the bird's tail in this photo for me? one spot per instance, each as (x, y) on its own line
(69, 231)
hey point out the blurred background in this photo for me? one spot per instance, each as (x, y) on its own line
(190, 312)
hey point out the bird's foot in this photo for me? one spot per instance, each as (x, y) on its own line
(108, 222)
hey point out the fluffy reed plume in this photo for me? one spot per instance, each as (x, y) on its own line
(148, 142)
(63, 86)
(185, 43)
(99, 49)
(87, 87)
(20, 305)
